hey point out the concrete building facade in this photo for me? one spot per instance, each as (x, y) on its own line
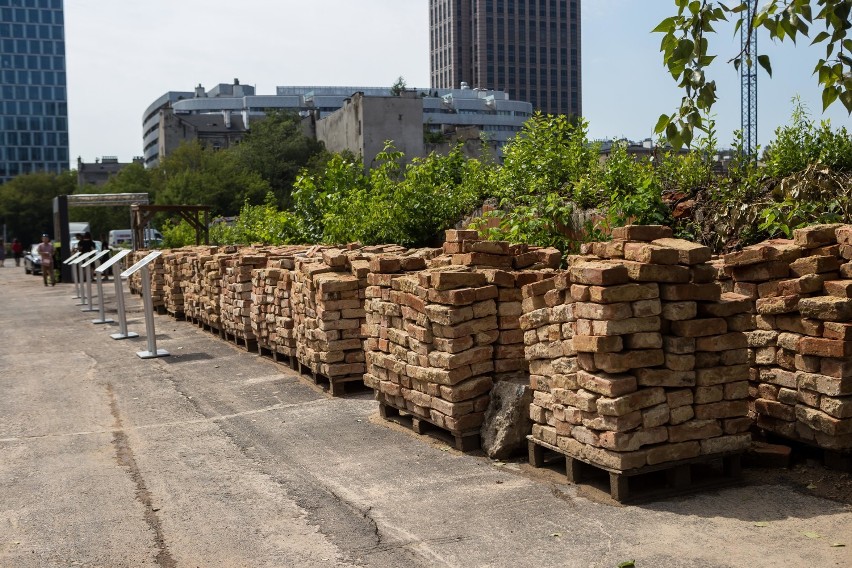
(363, 124)
(99, 172)
(33, 95)
(530, 49)
(222, 116)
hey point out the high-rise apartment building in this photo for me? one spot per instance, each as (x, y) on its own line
(527, 48)
(33, 97)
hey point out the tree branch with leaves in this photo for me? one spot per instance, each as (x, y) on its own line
(686, 53)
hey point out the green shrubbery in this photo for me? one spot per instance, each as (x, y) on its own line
(553, 189)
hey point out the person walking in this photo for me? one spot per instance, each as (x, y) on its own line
(17, 251)
(2, 253)
(45, 251)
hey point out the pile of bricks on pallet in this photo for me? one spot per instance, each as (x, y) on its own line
(236, 301)
(801, 375)
(327, 298)
(271, 313)
(209, 292)
(508, 267)
(430, 348)
(176, 272)
(636, 358)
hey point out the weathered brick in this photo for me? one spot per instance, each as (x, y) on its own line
(632, 441)
(624, 361)
(664, 378)
(724, 342)
(726, 444)
(646, 340)
(826, 308)
(719, 375)
(679, 311)
(598, 343)
(632, 402)
(777, 305)
(821, 347)
(688, 252)
(589, 310)
(709, 292)
(816, 235)
(726, 409)
(838, 407)
(645, 233)
(699, 327)
(655, 416)
(644, 272)
(599, 274)
(823, 384)
(650, 253)
(761, 272)
(823, 422)
(627, 326)
(612, 423)
(807, 284)
(775, 409)
(694, 430)
(607, 384)
(673, 452)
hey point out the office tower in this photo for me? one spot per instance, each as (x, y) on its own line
(33, 97)
(527, 48)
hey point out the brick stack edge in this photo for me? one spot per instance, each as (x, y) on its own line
(440, 336)
(801, 342)
(327, 297)
(636, 358)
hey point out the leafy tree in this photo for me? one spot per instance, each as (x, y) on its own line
(542, 167)
(277, 149)
(26, 203)
(398, 87)
(686, 53)
(409, 205)
(193, 175)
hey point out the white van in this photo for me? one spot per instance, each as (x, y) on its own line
(124, 237)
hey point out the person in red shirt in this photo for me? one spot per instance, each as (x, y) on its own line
(17, 251)
(45, 251)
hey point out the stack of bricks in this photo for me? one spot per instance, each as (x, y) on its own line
(264, 285)
(271, 314)
(509, 267)
(431, 345)
(801, 375)
(236, 300)
(176, 265)
(209, 271)
(328, 310)
(661, 366)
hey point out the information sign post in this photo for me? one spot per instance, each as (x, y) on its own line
(81, 275)
(119, 295)
(142, 267)
(88, 265)
(74, 275)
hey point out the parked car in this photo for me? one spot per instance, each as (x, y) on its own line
(32, 261)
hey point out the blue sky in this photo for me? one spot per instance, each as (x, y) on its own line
(123, 55)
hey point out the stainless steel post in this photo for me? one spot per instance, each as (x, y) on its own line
(149, 319)
(101, 308)
(122, 316)
(76, 281)
(87, 272)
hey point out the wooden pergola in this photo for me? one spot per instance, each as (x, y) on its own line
(198, 216)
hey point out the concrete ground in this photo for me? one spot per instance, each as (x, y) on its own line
(217, 457)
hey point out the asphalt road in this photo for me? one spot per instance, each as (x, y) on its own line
(217, 457)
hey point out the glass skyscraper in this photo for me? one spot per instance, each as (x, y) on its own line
(33, 95)
(527, 48)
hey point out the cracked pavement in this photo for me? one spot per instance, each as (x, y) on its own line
(217, 457)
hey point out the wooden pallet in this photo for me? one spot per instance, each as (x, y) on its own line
(240, 341)
(463, 441)
(660, 481)
(335, 386)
